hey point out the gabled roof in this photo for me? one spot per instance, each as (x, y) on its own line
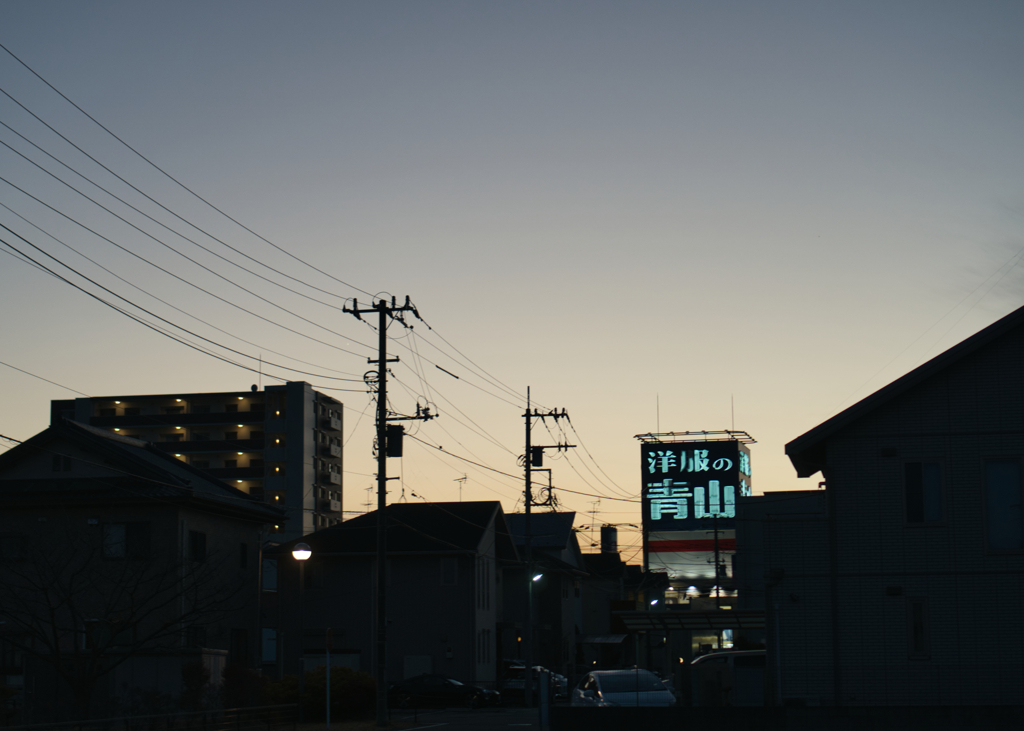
(807, 452)
(439, 528)
(142, 473)
(549, 530)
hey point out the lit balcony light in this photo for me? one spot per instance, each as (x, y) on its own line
(177, 455)
(177, 427)
(302, 551)
(240, 426)
(178, 400)
(240, 454)
(237, 480)
(116, 429)
(538, 577)
(653, 602)
(241, 398)
(117, 402)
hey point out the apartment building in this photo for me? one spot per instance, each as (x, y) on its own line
(281, 445)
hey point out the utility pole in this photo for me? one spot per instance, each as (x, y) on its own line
(534, 457)
(384, 450)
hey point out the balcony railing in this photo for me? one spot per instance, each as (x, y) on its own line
(220, 445)
(330, 450)
(223, 417)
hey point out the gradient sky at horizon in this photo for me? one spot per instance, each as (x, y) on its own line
(658, 215)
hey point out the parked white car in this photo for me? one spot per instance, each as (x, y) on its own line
(604, 688)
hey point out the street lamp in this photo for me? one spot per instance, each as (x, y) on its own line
(301, 553)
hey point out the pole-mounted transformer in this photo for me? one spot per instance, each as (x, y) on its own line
(393, 440)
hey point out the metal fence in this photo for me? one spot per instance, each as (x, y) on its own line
(262, 718)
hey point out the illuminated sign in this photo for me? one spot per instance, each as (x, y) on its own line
(689, 493)
(685, 483)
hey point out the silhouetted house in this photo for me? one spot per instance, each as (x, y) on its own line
(282, 445)
(120, 565)
(908, 587)
(557, 604)
(444, 587)
(611, 586)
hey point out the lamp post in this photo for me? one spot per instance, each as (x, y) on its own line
(301, 553)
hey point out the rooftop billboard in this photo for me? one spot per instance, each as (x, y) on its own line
(690, 487)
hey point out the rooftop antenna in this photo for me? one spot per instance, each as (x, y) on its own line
(461, 481)
(657, 410)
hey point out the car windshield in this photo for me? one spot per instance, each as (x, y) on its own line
(641, 681)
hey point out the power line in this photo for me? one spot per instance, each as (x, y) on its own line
(165, 302)
(171, 178)
(162, 224)
(186, 281)
(27, 373)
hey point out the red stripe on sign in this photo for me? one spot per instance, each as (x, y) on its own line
(703, 544)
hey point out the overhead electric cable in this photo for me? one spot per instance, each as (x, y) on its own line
(506, 474)
(161, 223)
(165, 302)
(175, 180)
(134, 317)
(28, 373)
(186, 281)
(181, 254)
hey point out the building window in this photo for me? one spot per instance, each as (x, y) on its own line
(922, 490)
(195, 636)
(174, 409)
(61, 463)
(230, 464)
(200, 436)
(108, 412)
(449, 571)
(196, 546)
(132, 410)
(201, 409)
(269, 646)
(230, 408)
(172, 437)
(917, 628)
(269, 574)
(1004, 514)
(201, 464)
(127, 540)
(230, 436)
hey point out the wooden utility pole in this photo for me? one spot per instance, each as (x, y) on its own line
(533, 458)
(384, 312)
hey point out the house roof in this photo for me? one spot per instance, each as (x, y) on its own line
(416, 528)
(142, 473)
(807, 452)
(548, 530)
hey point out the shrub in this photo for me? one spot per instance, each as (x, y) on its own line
(353, 694)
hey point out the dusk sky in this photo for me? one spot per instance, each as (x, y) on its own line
(658, 215)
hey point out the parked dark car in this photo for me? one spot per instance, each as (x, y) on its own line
(440, 691)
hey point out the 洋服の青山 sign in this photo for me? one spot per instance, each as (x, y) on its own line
(684, 483)
(689, 504)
